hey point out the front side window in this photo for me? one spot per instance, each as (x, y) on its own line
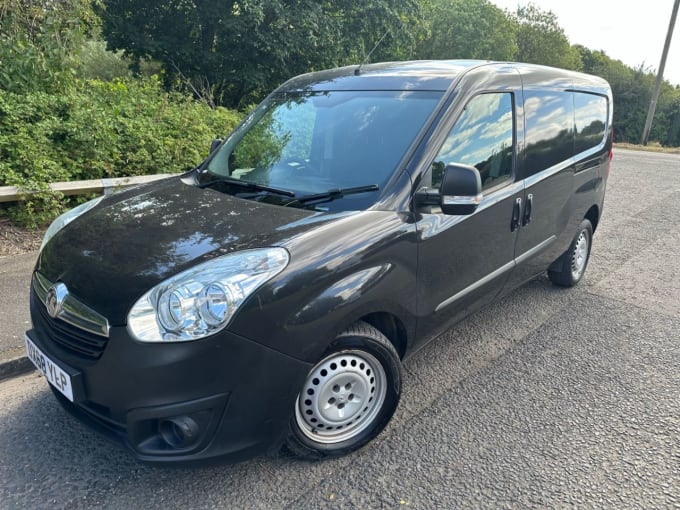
(313, 142)
(482, 137)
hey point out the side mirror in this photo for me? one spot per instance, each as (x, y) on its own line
(461, 189)
(215, 144)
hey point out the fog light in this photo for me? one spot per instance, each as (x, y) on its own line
(179, 431)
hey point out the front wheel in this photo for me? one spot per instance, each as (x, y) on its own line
(348, 397)
(574, 261)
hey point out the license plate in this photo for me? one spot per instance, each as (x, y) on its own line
(52, 372)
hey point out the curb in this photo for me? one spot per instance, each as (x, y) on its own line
(14, 367)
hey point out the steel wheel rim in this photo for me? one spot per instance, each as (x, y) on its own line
(341, 397)
(580, 255)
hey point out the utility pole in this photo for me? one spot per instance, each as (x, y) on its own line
(659, 76)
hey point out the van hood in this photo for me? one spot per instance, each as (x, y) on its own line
(131, 241)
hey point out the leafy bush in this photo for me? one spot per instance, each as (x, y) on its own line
(95, 62)
(99, 129)
(98, 63)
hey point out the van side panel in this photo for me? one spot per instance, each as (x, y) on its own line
(564, 164)
(546, 166)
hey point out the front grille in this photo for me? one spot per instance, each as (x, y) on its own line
(66, 320)
(75, 340)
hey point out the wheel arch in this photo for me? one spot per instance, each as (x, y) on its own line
(390, 326)
(593, 215)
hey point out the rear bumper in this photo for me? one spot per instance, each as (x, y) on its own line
(223, 396)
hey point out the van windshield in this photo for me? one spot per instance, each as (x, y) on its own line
(312, 142)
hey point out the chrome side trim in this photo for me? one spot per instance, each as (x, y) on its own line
(574, 161)
(498, 272)
(491, 276)
(71, 310)
(498, 195)
(533, 251)
(549, 172)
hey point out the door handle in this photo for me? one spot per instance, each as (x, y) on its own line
(516, 208)
(527, 209)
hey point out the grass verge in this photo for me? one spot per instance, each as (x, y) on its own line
(648, 148)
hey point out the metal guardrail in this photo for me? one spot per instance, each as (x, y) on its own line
(14, 194)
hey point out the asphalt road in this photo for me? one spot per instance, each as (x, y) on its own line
(549, 398)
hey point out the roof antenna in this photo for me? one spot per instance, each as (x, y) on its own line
(357, 71)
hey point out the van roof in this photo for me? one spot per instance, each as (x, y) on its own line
(433, 75)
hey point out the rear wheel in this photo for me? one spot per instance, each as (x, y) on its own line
(349, 395)
(575, 259)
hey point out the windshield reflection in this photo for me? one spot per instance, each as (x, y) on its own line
(313, 142)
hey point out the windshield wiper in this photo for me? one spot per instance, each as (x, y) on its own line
(248, 185)
(336, 193)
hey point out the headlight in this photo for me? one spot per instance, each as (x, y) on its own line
(67, 218)
(202, 300)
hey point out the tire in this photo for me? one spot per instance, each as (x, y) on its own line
(348, 397)
(574, 261)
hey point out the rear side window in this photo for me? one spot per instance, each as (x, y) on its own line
(590, 115)
(549, 121)
(482, 137)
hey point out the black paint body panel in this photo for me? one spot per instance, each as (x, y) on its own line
(418, 267)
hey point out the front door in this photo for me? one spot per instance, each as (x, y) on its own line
(463, 261)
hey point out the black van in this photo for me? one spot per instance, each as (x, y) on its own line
(267, 297)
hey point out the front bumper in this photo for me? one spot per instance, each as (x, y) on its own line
(222, 396)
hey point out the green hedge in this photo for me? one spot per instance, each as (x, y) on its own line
(100, 129)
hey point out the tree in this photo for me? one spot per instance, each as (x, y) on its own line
(673, 135)
(632, 89)
(541, 40)
(474, 29)
(39, 41)
(236, 50)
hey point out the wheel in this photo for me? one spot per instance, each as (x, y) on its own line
(573, 262)
(348, 397)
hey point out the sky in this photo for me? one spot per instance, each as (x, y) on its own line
(633, 32)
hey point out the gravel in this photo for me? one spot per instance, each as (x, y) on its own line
(16, 240)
